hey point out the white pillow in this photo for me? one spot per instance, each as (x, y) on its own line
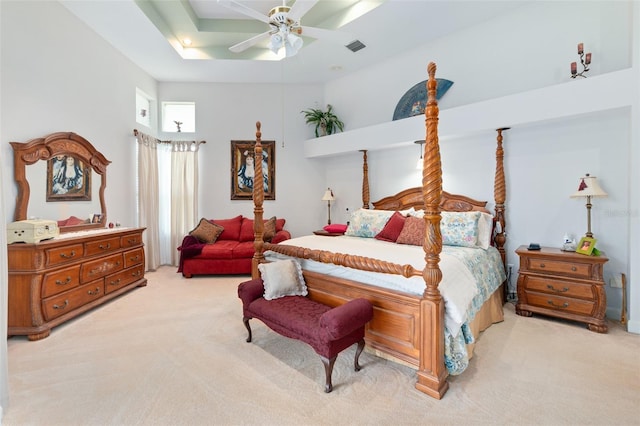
(282, 278)
(368, 223)
(485, 230)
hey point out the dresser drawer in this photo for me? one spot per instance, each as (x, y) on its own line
(133, 257)
(569, 269)
(59, 281)
(60, 255)
(131, 240)
(123, 278)
(102, 246)
(56, 306)
(559, 287)
(100, 267)
(561, 304)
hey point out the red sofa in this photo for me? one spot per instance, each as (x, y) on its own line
(230, 254)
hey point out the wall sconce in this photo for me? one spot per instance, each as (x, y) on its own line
(328, 197)
(584, 61)
(419, 163)
(588, 188)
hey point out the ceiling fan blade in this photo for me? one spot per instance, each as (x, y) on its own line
(329, 35)
(244, 45)
(299, 8)
(240, 8)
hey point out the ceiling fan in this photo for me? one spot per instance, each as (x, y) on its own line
(284, 27)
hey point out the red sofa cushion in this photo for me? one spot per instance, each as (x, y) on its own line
(220, 250)
(231, 228)
(243, 250)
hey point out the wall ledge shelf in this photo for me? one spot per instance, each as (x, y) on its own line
(558, 102)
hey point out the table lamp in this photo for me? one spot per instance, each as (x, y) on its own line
(589, 187)
(328, 197)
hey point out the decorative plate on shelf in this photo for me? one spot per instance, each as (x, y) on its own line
(413, 102)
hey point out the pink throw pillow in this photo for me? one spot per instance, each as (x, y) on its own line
(393, 228)
(412, 232)
(336, 228)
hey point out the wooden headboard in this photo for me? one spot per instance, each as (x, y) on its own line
(413, 197)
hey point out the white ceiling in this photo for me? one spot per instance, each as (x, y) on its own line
(390, 28)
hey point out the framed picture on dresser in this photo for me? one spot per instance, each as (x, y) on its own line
(242, 169)
(586, 246)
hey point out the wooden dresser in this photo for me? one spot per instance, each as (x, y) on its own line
(56, 280)
(562, 284)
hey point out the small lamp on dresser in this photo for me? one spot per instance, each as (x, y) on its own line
(589, 187)
(328, 197)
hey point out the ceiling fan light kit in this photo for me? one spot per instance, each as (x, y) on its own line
(285, 28)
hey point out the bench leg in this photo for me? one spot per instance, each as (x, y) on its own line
(246, 324)
(328, 369)
(358, 352)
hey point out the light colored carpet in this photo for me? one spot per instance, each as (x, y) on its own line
(174, 353)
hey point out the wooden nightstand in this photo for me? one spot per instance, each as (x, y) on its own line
(327, 233)
(562, 284)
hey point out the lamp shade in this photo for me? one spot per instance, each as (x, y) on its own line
(328, 195)
(589, 187)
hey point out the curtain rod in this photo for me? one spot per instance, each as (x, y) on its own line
(135, 133)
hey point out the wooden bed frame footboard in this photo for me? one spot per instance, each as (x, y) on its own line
(409, 328)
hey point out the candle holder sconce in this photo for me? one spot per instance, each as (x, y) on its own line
(585, 60)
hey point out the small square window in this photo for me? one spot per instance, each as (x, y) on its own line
(179, 117)
(143, 108)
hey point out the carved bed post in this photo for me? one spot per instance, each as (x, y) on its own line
(258, 198)
(500, 194)
(432, 373)
(365, 180)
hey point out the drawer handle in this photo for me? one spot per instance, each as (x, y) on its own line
(65, 282)
(107, 247)
(136, 273)
(68, 256)
(116, 282)
(104, 267)
(563, 306)
(550, 287)
(66, 303)
(573, 268)
(134, 258)
(93, 292)
(542, 265)
(132, 241)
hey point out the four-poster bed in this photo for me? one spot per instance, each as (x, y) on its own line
(406, 327)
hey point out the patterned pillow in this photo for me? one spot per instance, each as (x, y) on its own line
(207, 232)
(460, 228)
(282, 278)
(412, 232)
(392, 229)
(269, 229)
(367, 223)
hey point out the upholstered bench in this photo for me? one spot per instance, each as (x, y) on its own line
(327, 330)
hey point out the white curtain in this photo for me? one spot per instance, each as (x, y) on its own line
(148, 198)
(4, 278)
(184, 190)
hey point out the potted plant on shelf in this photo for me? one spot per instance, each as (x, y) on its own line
(326, 122)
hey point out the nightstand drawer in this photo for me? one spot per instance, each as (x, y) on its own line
(561, 304)
(548, 266)
(559, 287)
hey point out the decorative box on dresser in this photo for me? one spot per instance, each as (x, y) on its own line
(56, 280)
(562, 284)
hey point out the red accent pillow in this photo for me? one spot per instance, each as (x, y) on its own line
(280, 224)
(269, 230)
(231, 228)
(336, 228)
(393, 228)
(412, 232)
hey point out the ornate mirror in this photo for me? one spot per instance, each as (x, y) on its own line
(65, 171)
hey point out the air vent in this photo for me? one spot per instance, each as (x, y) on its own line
(355, 45)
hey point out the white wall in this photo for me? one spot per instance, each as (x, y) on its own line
(528, 48)
(226, 112)
(58, 75)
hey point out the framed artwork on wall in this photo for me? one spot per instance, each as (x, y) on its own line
(242, 169)
(68, 179)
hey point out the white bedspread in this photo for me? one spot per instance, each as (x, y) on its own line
(458, 286)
